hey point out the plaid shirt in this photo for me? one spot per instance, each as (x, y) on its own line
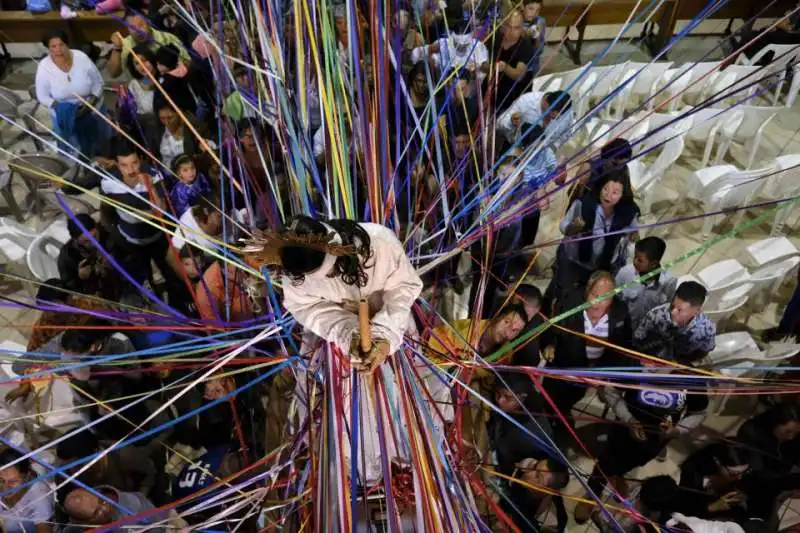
(658, 335)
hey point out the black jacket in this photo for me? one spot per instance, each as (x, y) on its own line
(570, 350)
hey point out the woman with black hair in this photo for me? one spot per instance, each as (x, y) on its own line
(328, 267)
(613, 159)
(141, 88)
(602, 220)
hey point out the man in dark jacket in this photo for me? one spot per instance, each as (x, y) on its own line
(567, 347)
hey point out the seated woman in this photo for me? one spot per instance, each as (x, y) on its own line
(608, 214)
(28, 508)
(63, 78)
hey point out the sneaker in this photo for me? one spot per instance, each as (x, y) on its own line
(67, 12)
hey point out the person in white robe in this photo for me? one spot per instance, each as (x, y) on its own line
(322, 292)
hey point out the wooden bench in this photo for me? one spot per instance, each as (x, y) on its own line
(618, 11)
(26, 27)
(88, 26)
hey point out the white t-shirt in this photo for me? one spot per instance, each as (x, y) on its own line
(143, 97)
(55, 85)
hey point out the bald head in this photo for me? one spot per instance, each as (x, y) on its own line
(88, 508)
(512, 27)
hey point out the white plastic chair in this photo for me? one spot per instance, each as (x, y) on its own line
(542, 82)
(720, 279)
(794, 88)
(581, 93)
(724, 187)
(778, 351)
(737, 83)
(567, 79)
(710, 125)
(13, 245)
(676, 80)
(607, 81)
(8, 351)
(780, 51)
(775, 72)
(600, 131)
(647, 78)
(769, 251)
(42, 257)
(768, 279)
(734, 346)
(754, 120)
(671, 150)
(9, 225)
(784, 183)
(701, 75)
(730, 302)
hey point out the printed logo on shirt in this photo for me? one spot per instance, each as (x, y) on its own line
(662, 399)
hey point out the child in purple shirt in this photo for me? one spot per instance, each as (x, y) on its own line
(191, 184)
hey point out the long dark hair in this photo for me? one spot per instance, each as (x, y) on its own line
(622, 177)
(298, 261)
(145, 54)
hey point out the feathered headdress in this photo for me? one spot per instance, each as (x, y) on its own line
(264, 248)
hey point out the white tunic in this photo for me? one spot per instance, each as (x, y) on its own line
(317, 303)
(325, 308)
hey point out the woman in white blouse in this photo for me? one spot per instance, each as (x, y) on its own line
(61, 78)
(141, 86)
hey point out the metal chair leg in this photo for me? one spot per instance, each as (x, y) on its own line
(11, 202)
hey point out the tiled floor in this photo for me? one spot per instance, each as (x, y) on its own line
(782, 138)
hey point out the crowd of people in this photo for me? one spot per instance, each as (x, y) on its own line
(194, 163)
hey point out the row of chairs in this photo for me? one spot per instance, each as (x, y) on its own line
(731, 284)
(723, 187)
(622, 86)
(710, 128)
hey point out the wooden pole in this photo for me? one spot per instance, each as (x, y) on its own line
(363, 326)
